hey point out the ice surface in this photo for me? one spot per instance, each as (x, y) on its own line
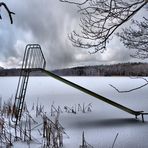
(104, 122)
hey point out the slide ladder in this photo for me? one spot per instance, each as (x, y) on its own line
(34, 61)
(33, 58)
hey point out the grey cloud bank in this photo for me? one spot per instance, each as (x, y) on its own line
(48, 22)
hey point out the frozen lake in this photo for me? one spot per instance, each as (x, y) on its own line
(104, 122)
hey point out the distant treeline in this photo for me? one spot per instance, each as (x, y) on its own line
(121, 69)
(16, 72)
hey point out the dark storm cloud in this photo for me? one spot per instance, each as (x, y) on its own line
(7, 42)
(38, 22)
(48, 22)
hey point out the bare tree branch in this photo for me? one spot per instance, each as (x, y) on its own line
(73, 2)
(100, 19)
(136, 38)
(10, 13)
(133, 89)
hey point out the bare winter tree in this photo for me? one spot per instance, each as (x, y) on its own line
(100, 19)
(136, 38)
(10, 13)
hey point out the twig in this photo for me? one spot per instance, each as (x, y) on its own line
(10, 13)
(133, 89)
(115, 140)
(72, 2)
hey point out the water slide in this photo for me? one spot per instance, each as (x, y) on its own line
(34, 61)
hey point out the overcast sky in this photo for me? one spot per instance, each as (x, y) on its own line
(47, 22)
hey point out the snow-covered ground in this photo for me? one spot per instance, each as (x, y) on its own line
(104, 122)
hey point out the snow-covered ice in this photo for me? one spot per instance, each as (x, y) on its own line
(104, 122)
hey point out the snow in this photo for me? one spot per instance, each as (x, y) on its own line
(103, 123)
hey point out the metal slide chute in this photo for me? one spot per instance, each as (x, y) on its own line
(91, 93)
